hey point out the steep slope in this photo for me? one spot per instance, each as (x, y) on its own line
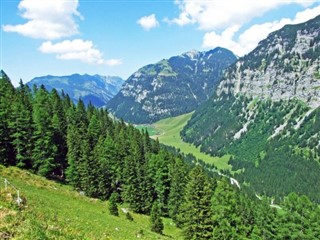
(54, 211)
(266, 113)
(170, 87)
(284, 66)
(95, 89)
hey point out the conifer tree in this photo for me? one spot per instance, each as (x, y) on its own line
(73, 156)
(7, 94)
(179, 177)
(108, 176)
(21, 127)
(156, 223)
(45, 150)
(197, 206)
(158, 168)
(59, 126)
(78, 146)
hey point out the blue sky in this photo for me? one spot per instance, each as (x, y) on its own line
(115, 37)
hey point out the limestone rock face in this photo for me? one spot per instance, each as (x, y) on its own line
(284, 66)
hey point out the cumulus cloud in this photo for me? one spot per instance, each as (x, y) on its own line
(148, 22)
(47, 19)
(250, 38)
(77, 49)
(217, 14)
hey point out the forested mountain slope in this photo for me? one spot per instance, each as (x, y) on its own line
(266, 113)
(170, 87)
(96, 89)
(48, 134)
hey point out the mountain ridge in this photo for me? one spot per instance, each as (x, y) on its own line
(171, 86)
(265, 113)
(96, 89)
(285, 65)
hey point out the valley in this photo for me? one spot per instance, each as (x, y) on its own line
(204, 145)
(168, 132)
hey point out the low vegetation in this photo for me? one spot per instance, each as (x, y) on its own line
(53, 211)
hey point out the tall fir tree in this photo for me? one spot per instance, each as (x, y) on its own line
(179, 178)
(197, 210)
(59, 126)
(45, 150)
(7, 94)
(21, 127)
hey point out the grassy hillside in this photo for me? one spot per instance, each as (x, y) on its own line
(55, 211)
(170, 135)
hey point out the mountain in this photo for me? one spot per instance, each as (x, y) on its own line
(95, 89)
(170, 87)
(265, 113)
(283, 66)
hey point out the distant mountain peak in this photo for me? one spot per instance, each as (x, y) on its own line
(192, 54)
(170, 87)
(96, 89)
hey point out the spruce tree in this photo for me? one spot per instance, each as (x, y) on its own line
(156, 223)
(59, 126)
(197, 211)
(45, 150)
(21, 127)
(179, 177)
(7, 94)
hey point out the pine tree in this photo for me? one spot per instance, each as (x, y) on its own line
(108, 177)
(158, 172)
(156, 223)
(59, 126)
(135, 189)
(178, 176)
(21, 127)
(113, 207)
(45, 150)
(197, 211)
(78, 146)
(232, 214)
(7, 94)
(73, 156)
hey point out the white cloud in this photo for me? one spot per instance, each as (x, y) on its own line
(250, 38)
(148, 22)
(218, 14)
(77, 49)
(47, 19)
(113, 62)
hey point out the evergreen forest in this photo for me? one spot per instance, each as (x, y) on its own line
(82, 146)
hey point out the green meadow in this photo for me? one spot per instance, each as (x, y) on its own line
(169, 134)
(55, 211)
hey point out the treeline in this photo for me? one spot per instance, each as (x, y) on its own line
(48, 134)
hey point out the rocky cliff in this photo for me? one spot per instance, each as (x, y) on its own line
(284, 66)
(266, 115)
